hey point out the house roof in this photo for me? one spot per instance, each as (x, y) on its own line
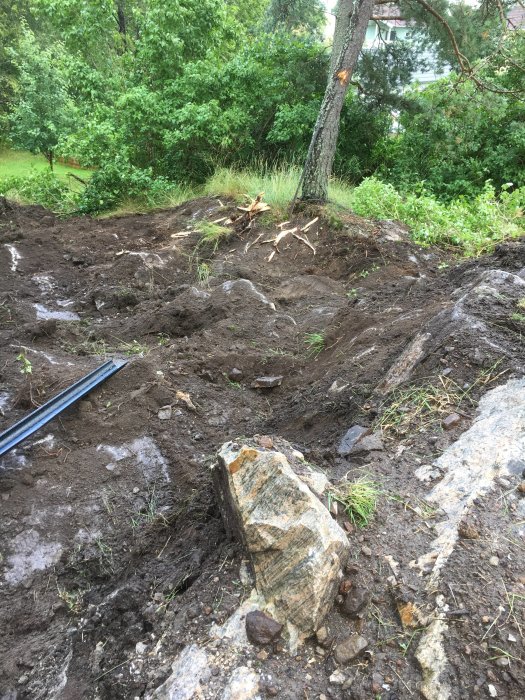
(389, 14)
(516, 17)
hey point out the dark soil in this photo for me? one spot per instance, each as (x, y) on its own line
(110, 535)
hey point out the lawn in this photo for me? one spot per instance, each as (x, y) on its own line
(21, 163)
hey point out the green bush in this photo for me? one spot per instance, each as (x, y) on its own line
(117, 181)
(43, 188)
(472, 225)
(456, 138)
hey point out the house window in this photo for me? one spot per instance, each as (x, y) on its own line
(393, 35)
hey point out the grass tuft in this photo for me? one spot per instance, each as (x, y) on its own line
(212, 234)
(315, 343)
(359, 499)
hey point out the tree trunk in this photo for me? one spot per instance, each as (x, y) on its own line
(50, 155)
(320, 158)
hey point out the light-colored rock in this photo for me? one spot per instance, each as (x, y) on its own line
(427, 473)
(337, 677)
(297, 549)
(433, 661)
(243, 685)
(346, 651)
(470, 465)
(188, 670)
(485, 452)
(404, 365)
(242, 289)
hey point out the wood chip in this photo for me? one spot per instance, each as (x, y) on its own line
(252, 243)
(185, 398)
(181, 234)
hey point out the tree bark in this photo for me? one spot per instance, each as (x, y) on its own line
(320, 158)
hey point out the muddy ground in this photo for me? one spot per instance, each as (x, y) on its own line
(113, 555)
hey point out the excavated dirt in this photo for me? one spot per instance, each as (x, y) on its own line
(113, 556)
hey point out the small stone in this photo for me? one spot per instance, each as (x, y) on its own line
(272, 691)
(492, 691)
(503, 661)
(345, 651)
(192, 612)
(468, 530)
(136, 489)
(164, 413)
(427, 473)
(260, 628)
(356, 600)
(345, 586)
(322, 636)
(369, 443)
(337, 678)
(23, 679)
(262, 655)
(266, 442)
(366, 551)
(348, 527)
(451, 421)
(207, 610)
(267, 382)
(494, 561)
(350, 438)
(485, 619)
(521, 487)
(235, 374)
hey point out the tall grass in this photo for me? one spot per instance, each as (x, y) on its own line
(278, 184)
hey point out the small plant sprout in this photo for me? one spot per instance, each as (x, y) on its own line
(315, 343)
(358, 498)
(521, 303)
(25, 365)
(203, 273)
(212, 234)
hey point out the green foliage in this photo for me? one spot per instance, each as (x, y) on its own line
(296, 15)
(43, 188)
(473, 225)
(26, 367)
(44, 111)
(11, 15)
(212, 234)
(457, 137)
(315, 342)
(117, 181)
(359, 499)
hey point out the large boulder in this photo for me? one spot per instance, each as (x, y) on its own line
(296, 548)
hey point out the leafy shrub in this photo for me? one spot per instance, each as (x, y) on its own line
(43, 188)
(457, 138)
(472, 225)
(117, 181)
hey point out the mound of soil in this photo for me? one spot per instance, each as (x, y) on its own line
(113, 556)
